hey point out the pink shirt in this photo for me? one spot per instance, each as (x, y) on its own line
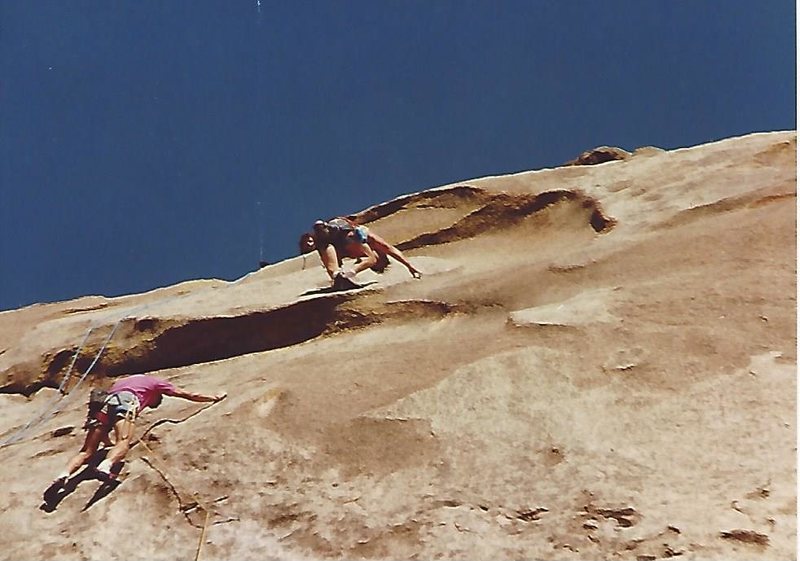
(145, 388)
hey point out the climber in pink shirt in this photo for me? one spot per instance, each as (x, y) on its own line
(118, 409)
(147, 389)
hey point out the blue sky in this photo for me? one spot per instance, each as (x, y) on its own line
(144, 143)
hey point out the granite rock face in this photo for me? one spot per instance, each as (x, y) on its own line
(599, 362)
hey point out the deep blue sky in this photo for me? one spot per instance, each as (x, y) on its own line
(144, 142)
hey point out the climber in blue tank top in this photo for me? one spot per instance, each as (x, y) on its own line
(341, 238)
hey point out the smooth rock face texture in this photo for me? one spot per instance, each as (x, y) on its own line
(599, 363)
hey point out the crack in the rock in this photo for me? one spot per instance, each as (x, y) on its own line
(444, 198)
(504, 210)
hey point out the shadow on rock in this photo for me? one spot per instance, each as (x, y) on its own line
(58, 491)
(104, 490)
(332, 289)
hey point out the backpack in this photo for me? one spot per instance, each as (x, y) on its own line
(340, 227)
(97, 398)
(336, 232)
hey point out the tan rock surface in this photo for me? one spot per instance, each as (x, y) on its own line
(600, 362)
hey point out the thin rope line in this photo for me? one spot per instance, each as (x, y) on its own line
(194, 494)
(55, 405)
(38, 418)
(68, 375)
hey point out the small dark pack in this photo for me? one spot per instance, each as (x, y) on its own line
(97, 398)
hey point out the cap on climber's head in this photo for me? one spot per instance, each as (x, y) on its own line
(322, 233)
(307, 244)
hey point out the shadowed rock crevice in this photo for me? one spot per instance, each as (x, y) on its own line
(217, 338)
(80, 310)
(600, 155)
(419, 309)
(746, 536)
(151, 344)
(731, 204)
(506, 210)
(445, 198)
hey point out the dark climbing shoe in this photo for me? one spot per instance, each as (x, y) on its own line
(341, 282)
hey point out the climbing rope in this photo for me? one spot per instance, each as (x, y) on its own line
(174, 421)
(68, 396)
(15, 436)
(64, 397)
(55, 405)
(68, 375)
(200, 504)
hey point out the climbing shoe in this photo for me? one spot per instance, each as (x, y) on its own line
(343, 281)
